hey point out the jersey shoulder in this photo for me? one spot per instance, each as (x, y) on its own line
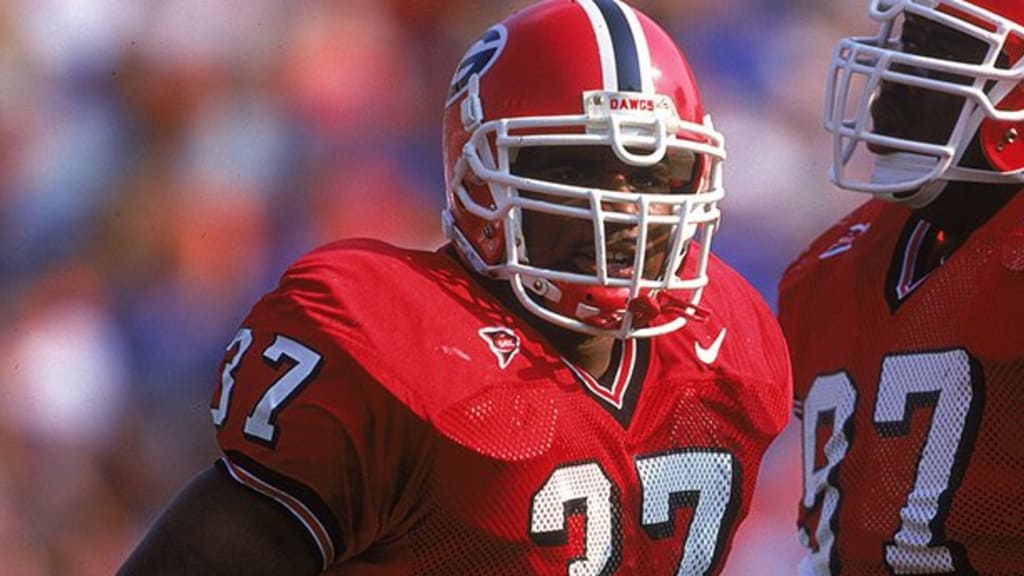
(371, 354)
(427, 333)
(732, 300)
(836, 260)
(852, 238)
(738, 342)
(993, 266)
(406, 316)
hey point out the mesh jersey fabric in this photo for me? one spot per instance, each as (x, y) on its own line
(911, 416)
(432, 431)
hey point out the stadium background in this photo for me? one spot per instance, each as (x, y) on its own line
(161, 161)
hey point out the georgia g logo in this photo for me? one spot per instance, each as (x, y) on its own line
(478, 59)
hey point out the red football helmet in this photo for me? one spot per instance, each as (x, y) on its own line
(585, 73)
(991, 90)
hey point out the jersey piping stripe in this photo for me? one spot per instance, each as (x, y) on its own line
(907, 282)
(622, 45)
(623, 376)
(320, 534)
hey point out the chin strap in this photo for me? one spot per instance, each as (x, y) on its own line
(645, 309)
(604, 309)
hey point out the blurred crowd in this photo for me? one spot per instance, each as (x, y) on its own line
(161, 161)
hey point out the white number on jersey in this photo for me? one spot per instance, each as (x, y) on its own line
(699, 479)
(941, 379)
(227, 378)
(259, 424)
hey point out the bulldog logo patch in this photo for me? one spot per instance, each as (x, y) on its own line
(503, 342)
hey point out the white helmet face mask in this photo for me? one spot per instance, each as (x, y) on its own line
(638, 137)
(861, 64)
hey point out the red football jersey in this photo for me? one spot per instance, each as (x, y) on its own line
(413, 425)
(910, 386)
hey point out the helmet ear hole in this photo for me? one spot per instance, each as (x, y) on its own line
(1003, 142)
(487, 236)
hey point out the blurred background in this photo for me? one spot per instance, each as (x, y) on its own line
(162, 161)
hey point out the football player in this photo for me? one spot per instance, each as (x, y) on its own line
(574, 385)
(904, 320)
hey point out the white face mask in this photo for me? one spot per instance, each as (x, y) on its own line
(914, 171)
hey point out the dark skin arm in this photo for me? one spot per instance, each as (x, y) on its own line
(217, 526)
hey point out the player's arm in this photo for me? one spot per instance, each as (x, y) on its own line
(218, 526)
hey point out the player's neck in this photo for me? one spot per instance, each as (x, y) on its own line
(591, 353)
(964, 207)
(961, 209)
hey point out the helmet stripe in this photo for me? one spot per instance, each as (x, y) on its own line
(625, 58)
(643, 52)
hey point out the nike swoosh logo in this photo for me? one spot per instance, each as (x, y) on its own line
(710, 354)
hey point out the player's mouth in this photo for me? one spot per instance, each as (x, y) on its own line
(618, 263)
(620, 259)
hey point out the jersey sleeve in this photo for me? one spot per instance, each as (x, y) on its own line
(299, 421)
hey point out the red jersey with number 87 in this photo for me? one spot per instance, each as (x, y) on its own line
(412, 425)
(910, 385)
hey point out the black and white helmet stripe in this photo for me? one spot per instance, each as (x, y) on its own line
(625, 56)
